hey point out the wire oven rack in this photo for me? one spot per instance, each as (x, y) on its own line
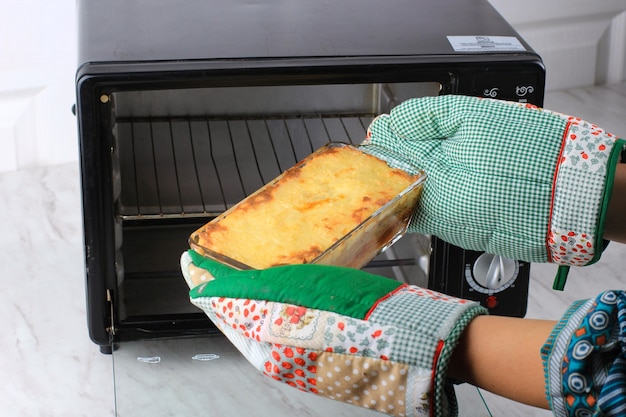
(200, 166)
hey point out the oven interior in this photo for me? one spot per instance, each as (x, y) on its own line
(182, 156)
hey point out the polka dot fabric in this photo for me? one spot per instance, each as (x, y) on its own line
(366, 382)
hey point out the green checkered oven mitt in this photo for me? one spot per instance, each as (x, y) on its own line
(506, 178)
(338, 332)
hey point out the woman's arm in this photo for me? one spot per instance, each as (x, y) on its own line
(502, 356)
(582, 355)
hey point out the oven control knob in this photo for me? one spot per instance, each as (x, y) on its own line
(492, 273)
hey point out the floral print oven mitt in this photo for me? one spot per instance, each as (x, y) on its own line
(503, 177)
(338, 332)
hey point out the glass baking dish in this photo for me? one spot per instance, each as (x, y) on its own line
(353, 249)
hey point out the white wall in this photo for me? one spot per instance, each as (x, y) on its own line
(582, 42)
(37, 66)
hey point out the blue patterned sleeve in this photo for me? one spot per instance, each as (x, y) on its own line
(584, 358)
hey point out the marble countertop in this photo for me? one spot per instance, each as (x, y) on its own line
(49, 365)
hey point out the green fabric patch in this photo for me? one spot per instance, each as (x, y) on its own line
(346, 291)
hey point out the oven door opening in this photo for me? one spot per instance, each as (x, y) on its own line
(183, 156)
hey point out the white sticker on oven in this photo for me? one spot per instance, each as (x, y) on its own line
(486, 44)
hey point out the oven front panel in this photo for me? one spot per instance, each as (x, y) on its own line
(162, 155)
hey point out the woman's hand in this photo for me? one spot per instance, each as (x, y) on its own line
(338, 332)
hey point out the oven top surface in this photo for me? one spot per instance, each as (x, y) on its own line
(167, 30)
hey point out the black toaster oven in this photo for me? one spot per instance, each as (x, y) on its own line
(184, 108)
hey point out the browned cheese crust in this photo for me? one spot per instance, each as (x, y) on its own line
(309, 208)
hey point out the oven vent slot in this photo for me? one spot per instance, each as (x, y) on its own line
(187, 167)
